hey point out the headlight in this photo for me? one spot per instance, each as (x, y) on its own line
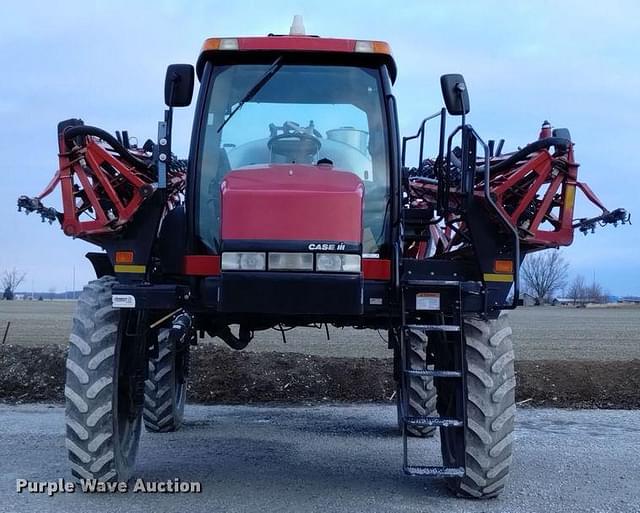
(243, 262)
(332, 263)
(290, 261)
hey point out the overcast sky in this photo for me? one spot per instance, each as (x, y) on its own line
(574, 63)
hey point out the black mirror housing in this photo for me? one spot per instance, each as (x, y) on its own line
(455, 94)
(178, 85)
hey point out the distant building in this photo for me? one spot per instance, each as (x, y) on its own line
(564, 301)
(527, 299)
(630, 299)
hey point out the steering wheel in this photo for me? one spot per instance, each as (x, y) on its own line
(295, 146)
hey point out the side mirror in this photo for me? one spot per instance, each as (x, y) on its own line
(178, 85)
(455, 94)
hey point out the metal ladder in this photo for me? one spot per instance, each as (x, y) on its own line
(410, 318)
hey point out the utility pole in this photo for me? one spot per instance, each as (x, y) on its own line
(73, 287)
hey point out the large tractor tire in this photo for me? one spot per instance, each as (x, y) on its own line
(422, 391)
(103, 416)
(485, 454)
(165, 390)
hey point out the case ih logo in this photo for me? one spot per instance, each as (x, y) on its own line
(316, 246)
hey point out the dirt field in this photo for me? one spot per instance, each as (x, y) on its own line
(220, 375)
(540, 333)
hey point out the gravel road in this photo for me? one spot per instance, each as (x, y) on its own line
(330, 458)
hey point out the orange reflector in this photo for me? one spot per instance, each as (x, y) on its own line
(124, 257)
(213, 43)
(503, 266)
(381, 47)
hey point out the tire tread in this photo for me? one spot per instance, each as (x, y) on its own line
(162, 412)
(490, 408)
(89, 384)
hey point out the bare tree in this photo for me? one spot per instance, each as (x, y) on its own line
(10, 281)
(577, 289)
(581, 293)
(596, 293)
(544, 273)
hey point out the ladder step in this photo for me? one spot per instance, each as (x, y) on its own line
(433, 421)
(433, 327)
(434, 373)
(414, 470)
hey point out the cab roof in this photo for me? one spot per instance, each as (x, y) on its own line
(376, 50)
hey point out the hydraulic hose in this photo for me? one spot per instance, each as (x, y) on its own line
(237, 343)
(83, 130)
(529, 149)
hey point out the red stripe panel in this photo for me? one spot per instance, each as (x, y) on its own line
(375, 269)
(297, 43)
(202, 265)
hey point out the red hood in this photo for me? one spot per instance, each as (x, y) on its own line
(292, 202)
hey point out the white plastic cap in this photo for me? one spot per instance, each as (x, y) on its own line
(297, 27)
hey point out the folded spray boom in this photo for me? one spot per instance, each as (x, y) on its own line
(103, 180)
(533, 188)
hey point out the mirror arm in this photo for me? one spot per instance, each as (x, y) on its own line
(163, 157)
(460, 89)
(163, 149)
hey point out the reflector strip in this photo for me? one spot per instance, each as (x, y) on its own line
(134, 269)
(202, 265)
(376, 269)
(498, 277)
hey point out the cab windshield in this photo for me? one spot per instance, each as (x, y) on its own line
(302, 114)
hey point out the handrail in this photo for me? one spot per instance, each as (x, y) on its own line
(419, 133)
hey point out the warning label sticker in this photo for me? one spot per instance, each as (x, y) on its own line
(428, 301)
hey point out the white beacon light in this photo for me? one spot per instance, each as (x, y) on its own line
(297, 27)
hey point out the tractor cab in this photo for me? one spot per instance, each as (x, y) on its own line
(290, 175)
(318, 121)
